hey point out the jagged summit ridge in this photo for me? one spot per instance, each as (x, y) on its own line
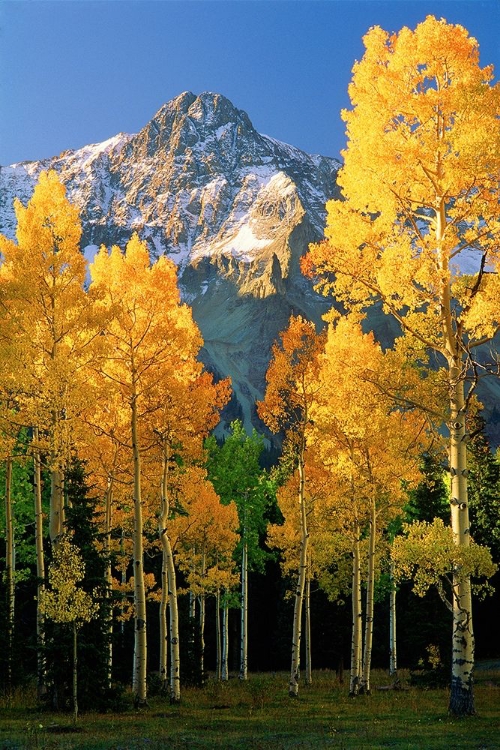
(234, 209)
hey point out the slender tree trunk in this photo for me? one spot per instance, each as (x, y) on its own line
(40, 564)
(393, 661)
(140, 639)
(169, 585)
(9, 568)
(225, 643)
(202, 600)
(462, 675)
(293, 688)
(192, 606)
(109, 576)
(163, 614)
(218, 644)
(244, 612)
(308, 627)
(357, 621)
(462, 666)
(75, 673)
(370, 585)
(123, 576)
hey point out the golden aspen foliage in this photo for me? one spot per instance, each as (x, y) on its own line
(64, 600)
(418, 229)
(42, 278)
(427, 555)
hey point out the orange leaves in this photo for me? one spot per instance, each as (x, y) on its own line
(290, 376)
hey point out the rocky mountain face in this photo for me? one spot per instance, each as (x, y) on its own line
(234, 209)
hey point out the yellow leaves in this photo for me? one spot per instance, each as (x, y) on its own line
(65, 601)
(428, 555)
(54, 223)
(420, 186)
(480, 301)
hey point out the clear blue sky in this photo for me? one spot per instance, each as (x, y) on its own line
(75, 72)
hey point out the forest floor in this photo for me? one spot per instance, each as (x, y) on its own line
(259, 715)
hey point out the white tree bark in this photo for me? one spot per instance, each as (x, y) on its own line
(393, 660)
(293, 688)
(357, 621)
(202, 601)
(225, 644)
(308, 627)
(109, 575)
(140, 639)
(462, 674)
(40, 564)
(370, 586)
(169, 593)
(244, 612)
(218, 641)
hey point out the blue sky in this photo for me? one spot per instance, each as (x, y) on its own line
(74, 72)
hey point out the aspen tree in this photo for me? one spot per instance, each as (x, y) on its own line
(191, 405)
(420, 193)
(148, 333)
(42, 276)
(291, 387)
(369, 446)
(206, 540)
(65, 602)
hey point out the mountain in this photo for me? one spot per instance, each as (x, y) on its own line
(234, 209)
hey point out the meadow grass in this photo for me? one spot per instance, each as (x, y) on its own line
(260, 715)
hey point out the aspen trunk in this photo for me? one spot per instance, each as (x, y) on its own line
(163, 661)
(140, 635)
(393, 661)
(225, 644)
(244, 613)
(169, 586)
(192, 606)
(202, 600)
(123, 575)
(162, 527)
(175, 654)
(370, 586)
(462, 675)
(308, 628)
(9, 568)
(293, 688)
(75, 673)
(218, 644)
(357, 621)
(40, 564)
(462, 666)
(109, 576)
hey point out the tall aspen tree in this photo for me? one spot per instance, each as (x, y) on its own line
(42, 277)
(291, 387)
(148, 332)
(369, 443)
(420, 193)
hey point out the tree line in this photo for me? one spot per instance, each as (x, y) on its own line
(107, 414)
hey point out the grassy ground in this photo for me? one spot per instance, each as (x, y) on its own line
(260, 715)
